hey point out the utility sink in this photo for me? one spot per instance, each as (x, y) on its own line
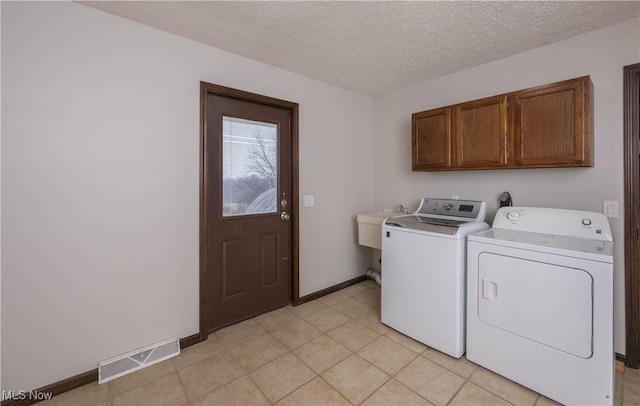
(370, 227)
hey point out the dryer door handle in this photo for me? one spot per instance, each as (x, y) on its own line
(489, 289)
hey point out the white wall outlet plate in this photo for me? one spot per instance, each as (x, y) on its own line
(610, 209)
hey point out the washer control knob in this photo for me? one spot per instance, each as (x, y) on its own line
(448, 206)
(586, 222)
(513, 215)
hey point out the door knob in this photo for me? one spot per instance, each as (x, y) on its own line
(284, 215)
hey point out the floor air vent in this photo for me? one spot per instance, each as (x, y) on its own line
(138, 359)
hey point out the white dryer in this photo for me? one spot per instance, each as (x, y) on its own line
(540, 302)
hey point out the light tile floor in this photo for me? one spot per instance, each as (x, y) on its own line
(331, 351)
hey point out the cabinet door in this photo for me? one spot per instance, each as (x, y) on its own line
(481, 135)
(431, 140)
(552, 125)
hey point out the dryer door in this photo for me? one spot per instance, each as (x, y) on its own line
(547, 303)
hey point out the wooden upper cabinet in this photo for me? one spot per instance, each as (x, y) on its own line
(481, 136)
(431, 140)
(552, 125)
(545, 126)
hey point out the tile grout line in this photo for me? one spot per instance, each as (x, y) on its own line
(358, 295)
(225, 349)
(113, 396)
(458, 391)
(495, 394)
(417, 354)
(466, 379)
(245, 372)
(290, 351)
(182, 385)
(110, 394)
(348, 356)
(257, 387)
(337, 391)
(316, 375)
(389, 375)
(303, 384)
(420, 354)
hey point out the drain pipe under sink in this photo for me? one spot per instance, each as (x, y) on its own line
(375, 275)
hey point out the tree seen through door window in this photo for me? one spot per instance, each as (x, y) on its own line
(249, 167)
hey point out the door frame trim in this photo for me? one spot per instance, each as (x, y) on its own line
(632, 213)
(205, 90)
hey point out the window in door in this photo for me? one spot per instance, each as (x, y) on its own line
(249, 167)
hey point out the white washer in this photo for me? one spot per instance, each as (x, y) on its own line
(540, 302)
(423, 271)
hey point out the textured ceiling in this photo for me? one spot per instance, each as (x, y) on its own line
(373, 47)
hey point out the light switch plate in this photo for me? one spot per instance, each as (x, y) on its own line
(610, 208)
(309, 200)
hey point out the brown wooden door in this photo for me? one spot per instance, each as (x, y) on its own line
(432, 143)
(481, 133)
(248, 204)
(552, 125)
(632, 212)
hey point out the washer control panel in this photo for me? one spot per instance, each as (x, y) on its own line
(466, 209)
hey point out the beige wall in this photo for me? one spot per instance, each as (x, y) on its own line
(601, 54)
(100, 172)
